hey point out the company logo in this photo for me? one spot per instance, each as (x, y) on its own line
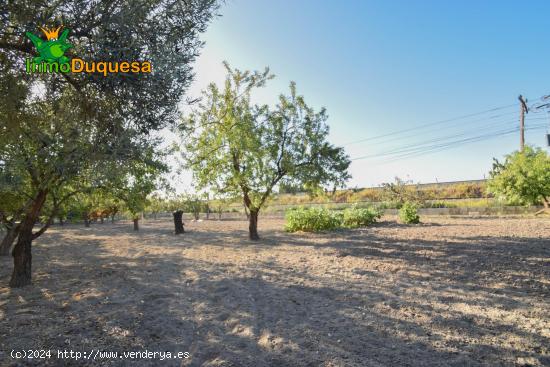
(52, 50)
(52, 58)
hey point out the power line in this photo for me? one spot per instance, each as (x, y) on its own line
(419, 151)
(446, 121)
(429, 144)
(432, 124)
(497, 118)
(440, 139)
(475, 139)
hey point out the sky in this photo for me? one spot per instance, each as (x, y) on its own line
(389, 72)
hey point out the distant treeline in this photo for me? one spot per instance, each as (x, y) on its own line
(431, 191)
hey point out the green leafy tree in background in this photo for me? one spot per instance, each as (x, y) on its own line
(135, 189)
(85, 204)
(77, 131)
(155, 205)
(238, 148)
(523, 177)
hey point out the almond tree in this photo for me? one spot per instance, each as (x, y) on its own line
(237, 148)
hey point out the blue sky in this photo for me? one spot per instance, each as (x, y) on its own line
(381, 67)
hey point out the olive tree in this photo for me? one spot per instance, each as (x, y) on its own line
(74, 129)
(237, 148)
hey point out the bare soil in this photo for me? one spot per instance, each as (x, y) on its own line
(448, 292)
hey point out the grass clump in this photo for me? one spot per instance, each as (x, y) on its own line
(409, 213)
(321, 219)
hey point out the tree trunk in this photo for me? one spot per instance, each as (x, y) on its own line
(86, 222)
(22, 256)
(253, 225)
(61, 221)
(8, 240)
(101, 219)
(546, 209)
(113, 218)
(136, 224)
(178, 222)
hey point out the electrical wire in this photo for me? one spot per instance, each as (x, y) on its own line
(432, 124)
(416, 145)
(441, 122)
(454, 144)
(496, 118)
(440, 139)
(419, 151)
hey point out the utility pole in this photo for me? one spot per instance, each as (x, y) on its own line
(524, 110)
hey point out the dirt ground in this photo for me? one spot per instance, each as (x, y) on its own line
(448, 292)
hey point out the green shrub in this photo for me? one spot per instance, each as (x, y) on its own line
(312, 219)
(409, 213)
(360, 217)
(320, 219)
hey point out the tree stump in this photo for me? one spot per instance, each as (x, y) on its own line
(178, 222)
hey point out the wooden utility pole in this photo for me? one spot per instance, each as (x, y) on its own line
(524, 110)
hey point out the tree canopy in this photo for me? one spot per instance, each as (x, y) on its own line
(164, 32)
(73, 132)
(235, 147)
(523, 177)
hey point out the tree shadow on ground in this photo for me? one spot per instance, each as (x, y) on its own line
(274, 315)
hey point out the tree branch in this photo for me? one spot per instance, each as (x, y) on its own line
(55, 210)
(41, 231)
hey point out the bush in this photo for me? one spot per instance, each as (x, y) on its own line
(409, 213)
(321, 219)
(356, 217)
(312, 219)
(524, 177)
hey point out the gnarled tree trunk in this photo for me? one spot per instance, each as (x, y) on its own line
(8, 240)
(178, 222)
(253, 225)
(22, 256)
(136, 224)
